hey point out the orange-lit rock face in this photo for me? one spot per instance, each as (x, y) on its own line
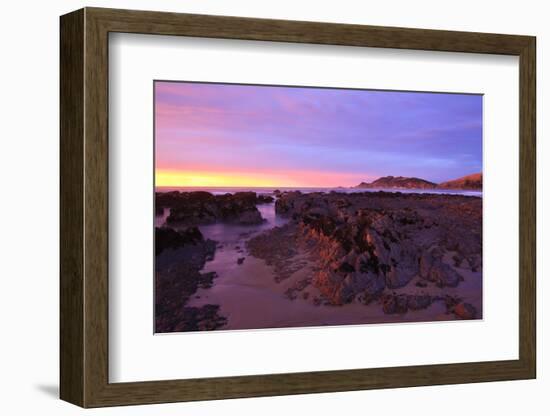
(371, 243)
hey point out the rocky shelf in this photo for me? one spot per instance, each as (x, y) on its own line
(180, 255)
(199, 207)
(366, 246)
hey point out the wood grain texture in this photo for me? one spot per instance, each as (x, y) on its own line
(527, 207)
(71, 208)
(162, 23)
(96, 209)
(84, 207)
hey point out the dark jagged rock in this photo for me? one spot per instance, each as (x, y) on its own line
(246, 217)
(433, 269)
(199, 208)
(204, 318)
(159, 210)
(180, 255)
(264, 199)
(187, 246)
(367, 243)
(206, 280)
(169, 238)
(284, 205)
(173, 288)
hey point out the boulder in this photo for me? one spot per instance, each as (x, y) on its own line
(249, 217)
(264, 199)
(200, 208)
(169, 238)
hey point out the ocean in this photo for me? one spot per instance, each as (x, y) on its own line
(268, 190)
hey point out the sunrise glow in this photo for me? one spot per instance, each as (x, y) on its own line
(182, 178)
(226, 135)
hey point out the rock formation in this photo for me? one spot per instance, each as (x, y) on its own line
(199, 208)
(180, 255)
(470, 182)
(367, 244)
(400, 182)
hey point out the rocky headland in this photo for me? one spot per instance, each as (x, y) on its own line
(470, 182)
(474, 182)
(400, 182)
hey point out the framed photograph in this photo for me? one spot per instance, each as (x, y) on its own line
(255, 207)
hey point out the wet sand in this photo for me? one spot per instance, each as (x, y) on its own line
(250, 298)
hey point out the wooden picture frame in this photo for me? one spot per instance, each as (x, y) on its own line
(84, 207)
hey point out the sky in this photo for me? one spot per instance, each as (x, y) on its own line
(248, 135)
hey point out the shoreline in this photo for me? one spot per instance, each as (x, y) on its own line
(274, 287)
(344, 190)
(273, 303)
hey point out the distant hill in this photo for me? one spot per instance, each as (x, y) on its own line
(473, 182)
(398, 182)
(470, 182)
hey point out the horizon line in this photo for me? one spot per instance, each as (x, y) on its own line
(247, 186)
(317, 186)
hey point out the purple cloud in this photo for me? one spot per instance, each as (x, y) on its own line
(354, 132)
